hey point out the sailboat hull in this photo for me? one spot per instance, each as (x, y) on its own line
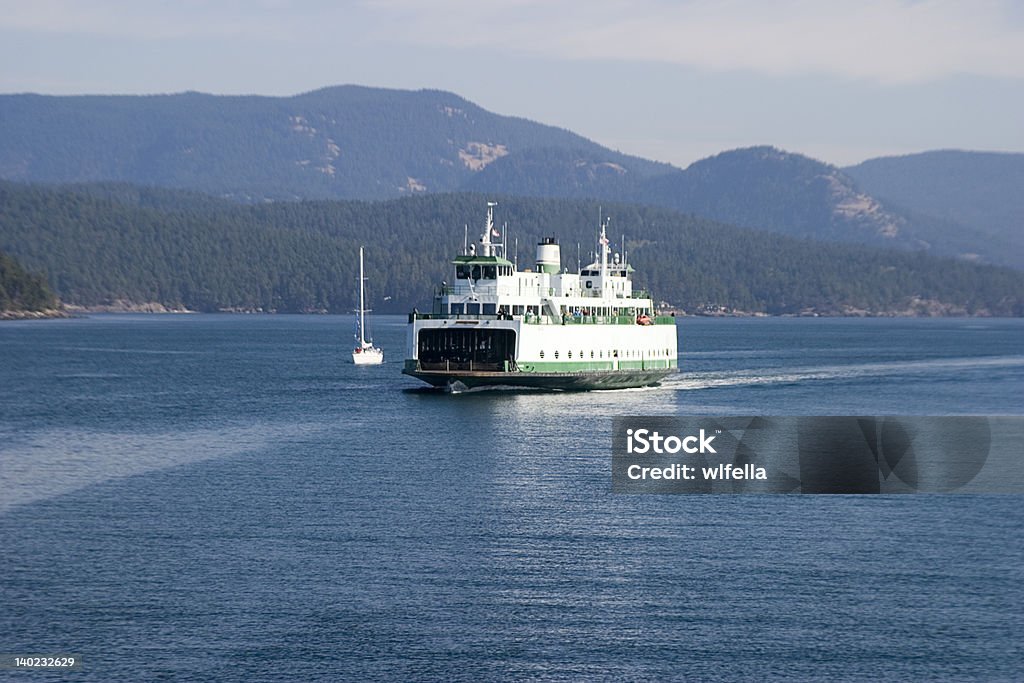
(370, 356)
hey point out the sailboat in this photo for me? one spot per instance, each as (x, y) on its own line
(365, 353)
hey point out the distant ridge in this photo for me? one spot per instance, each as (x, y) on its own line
(982, 190)
(342, 142)
(762, 187)
(357, 142)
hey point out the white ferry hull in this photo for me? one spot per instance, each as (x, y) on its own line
(574, 357)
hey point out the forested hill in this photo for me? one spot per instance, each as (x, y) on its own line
(110, 243)
(21, 291)
(353, 142)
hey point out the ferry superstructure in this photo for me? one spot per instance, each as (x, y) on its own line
(541, 327)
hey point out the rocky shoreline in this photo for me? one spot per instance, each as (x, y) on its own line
(35, 315)
(123, 306)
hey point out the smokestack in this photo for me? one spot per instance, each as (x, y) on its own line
(549, 256)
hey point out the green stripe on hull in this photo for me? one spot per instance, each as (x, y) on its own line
(567, 381)
(599, 366)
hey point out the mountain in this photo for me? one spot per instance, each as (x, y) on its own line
(767, 188)
(110, 244)
(977, 189)
(345, 142)
(764, 188)
(351, 142)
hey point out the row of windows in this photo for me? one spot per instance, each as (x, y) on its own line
(602, 311)
(491, 309)
(466, 272)
(575, 311)
(597, 273)
(629, 353)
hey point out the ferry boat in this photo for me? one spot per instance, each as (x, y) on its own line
(542, 327)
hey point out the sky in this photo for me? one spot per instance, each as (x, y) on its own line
(676, 81)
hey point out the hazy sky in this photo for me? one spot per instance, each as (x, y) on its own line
(839, 80)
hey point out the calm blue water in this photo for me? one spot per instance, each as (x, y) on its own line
(226, 498)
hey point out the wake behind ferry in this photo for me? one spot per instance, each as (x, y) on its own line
(544, 328)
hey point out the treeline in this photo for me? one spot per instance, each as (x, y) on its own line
(105, 243)
(21, 290)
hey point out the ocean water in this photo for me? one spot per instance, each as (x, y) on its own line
(228, 498)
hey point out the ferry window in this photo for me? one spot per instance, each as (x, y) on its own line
(473, 309)
(591, 353)
(556, 355)
(581, 354)
(600, 354)
(458, 309)
(489, 309)
(517, 310)
(462, 272)
(490, 272)
(476, 272)
(541, 354)
(533, 310)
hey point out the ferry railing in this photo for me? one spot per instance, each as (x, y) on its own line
(537, 319)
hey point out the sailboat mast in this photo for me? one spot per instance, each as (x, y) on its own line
(362, 305)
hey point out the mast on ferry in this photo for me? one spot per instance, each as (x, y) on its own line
(485, 239)
(604, 248)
